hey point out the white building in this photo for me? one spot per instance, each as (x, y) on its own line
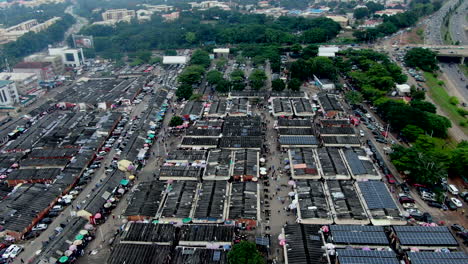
(8, 93)
(70, 57)
(403, 89)
(329, 51)
(24, 81)
(175, 59)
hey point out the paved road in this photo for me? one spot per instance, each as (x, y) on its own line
(458, 24)
(80, 22)
(434, 24)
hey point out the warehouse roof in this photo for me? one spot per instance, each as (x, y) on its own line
(137, 254)
(346, 203)
(148, 232)
(296, 131)
(427, 236)
(304, 244)
(282, 107)
(312, 202)
(303, 163)
(329, 102)
(337, 131)
(331, 162)
(186, 156)
(211, 201)
(341, 141)
(246, 163)
(218, 165)
(206, 233)
(180, 173)
(180, 200)
(437, 257)
(145, 199)
(284, 122)
(358, 235)
(302, 107)
(240, 142)
(298, 141)
(196, 255)
(244, 197)
(347, 256)
(360, 163)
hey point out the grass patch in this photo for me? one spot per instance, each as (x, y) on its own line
(442, 99)
(464, 69)
(444, 31)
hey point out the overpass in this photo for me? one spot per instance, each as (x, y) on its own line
(445, 53)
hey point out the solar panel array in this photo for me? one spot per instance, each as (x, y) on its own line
(346, 256)
(425, 235)
(438, 257)
(361, 235)
(376, 195)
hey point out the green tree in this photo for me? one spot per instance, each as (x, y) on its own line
(257, 79)
(314, 35)
(417, 94)
(374, 7)
(191, 75)
(294, 84)
(360, 13)
(459, 160)
(354, 97)
(176, 121)
(200, 57)
(278, 85)
(144, 55)
(237, 75)
(424, 106)
(412, 132)
(223, 86)
(184, 91)
(422, 58)
(214, 77)
(453, 100)
(323, 67)
(422, 167)
(221, 63)
(296, 49)
(309, 52)
(170, 52)
(245, 252)
(190, 37)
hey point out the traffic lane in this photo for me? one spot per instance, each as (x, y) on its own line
(457, 78)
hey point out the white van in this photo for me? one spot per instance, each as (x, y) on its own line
(453, 189)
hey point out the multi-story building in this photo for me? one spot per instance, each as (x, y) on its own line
(14, 32)
(8, 93)
(158, 8)
(70, 57)
(43, 70)
(118, 15)
(209, 4)
(24, 81)
(57, 64)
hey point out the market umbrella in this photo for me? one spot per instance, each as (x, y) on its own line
(84, 232)
(291, 182)
(291, 193)
(79, 237)
(97, 216)
(155, 222)
(3, 176)
(254, 179)
(121, 191)
(366, 248)
(131, 177)
(107, 205)
(178, 224)
(263, 169)
(63, 259)
(262, 160)
(292, 206)
(186, 220)
(325, 229)
(89, 227)
(15, 165)
(111, 200)
(263, 173)
(281, 236)
(72, 247)
(68, 253)
(77, 242)
(282, 242)
(147, 141)
(123, 165)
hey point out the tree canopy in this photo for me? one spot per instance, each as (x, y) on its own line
(354, 97)
(257, 79)
(191, 75)
(245, 252)
(176, 121)
(278, 85)
(422, 58)
(184, 91)
(294, 84)
(200, 57)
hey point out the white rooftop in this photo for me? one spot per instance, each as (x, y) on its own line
(221, 50)
(174, 59)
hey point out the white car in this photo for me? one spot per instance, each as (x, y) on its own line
(457, 202)
(40, 227)
(12, 251)
(361, 133)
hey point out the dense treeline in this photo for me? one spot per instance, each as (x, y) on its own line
(211, 26)
(391, 24)
(18, 13)
(34, 42)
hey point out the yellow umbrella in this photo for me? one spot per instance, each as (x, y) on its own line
(131, 177)
(123, 165)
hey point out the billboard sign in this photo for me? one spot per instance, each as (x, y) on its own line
(81, 41)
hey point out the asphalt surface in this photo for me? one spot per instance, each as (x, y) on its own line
(458, 24)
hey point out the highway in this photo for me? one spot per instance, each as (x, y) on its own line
(458, 24)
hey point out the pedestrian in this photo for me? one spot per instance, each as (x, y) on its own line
(22, 261)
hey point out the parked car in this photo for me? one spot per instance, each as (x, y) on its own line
(436, 205)
(428, 196)
(405, 187)
(46, 220)
(406, 200)
(40, 227)
(12, 251)
(457, 227)
(390, 178)
(457, 202)
(451, 205)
